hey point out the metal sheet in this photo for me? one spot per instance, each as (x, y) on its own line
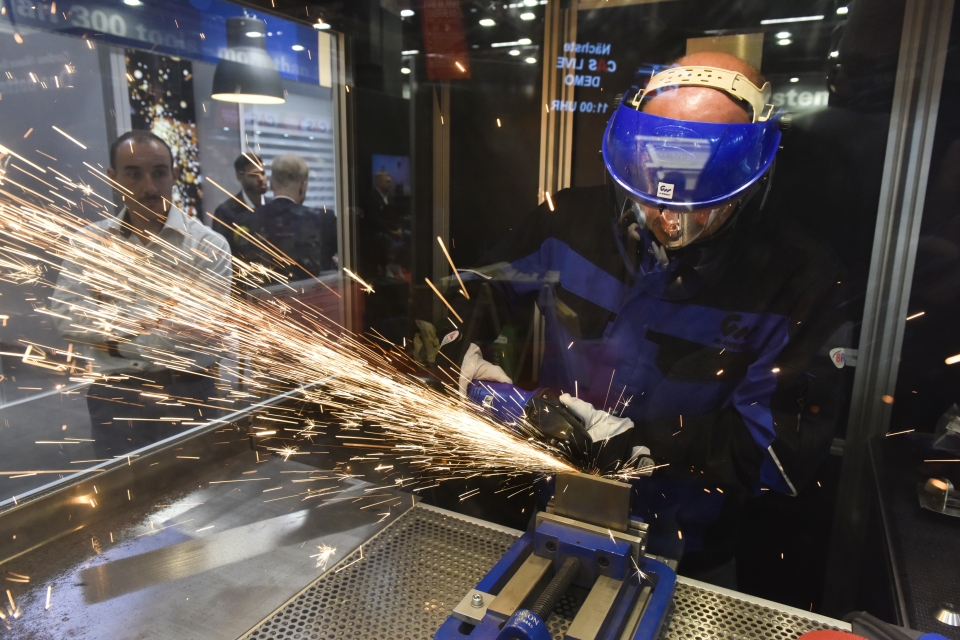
(206, 561)
(598, 501)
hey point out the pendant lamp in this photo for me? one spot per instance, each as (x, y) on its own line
(246, 73)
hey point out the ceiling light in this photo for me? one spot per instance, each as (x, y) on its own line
(531, 3)
(132, 3)
(255, 34)
(320, 25)
(487, 22)
(406, 13)
(797, 19)
(794, 79)
(834, 54)
(842, 11)
(532, 60)
(784, 34)
(527, 16)
(513, 43)
(297, 47)
(404, 70)
(410, 52)
(254, 81)
(514, 52)
(784, 41)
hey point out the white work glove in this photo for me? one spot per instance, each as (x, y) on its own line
(600, 425)
(474, 367)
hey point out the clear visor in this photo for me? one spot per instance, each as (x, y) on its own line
(675, 229)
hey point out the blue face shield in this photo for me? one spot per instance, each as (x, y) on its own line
(686, 175)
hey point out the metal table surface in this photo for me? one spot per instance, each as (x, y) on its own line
(407, 580)
(206, 560)
(231, 551)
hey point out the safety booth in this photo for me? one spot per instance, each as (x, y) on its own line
(606, 319)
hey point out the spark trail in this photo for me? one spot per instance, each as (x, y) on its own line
(133, 291)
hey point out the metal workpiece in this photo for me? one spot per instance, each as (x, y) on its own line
(593, 500)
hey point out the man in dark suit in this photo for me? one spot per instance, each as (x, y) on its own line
(305, 235)
(239, 210)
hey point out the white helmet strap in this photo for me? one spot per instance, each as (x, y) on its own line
(732, 83)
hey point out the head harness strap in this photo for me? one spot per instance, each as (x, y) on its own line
(732, 83)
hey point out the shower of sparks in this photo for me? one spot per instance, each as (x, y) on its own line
(271, 346)
(326, 552)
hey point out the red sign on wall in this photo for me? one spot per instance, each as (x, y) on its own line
(444, 40)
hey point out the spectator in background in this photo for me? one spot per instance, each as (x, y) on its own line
(306, 236)
(382, 182)
(239, 210)
(125, 403)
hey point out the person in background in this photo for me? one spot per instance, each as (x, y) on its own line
(306, 236)
(133, 385)
(239, 210)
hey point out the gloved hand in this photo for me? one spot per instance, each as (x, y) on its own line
(600, 425)
(474, 367)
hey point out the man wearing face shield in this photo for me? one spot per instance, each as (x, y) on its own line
(680, 325)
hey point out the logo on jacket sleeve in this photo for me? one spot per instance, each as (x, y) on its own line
(450, 337)
(665, 190)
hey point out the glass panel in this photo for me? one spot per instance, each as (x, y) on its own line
(80, 384)
(466, 227)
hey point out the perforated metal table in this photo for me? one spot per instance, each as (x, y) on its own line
(403, 583)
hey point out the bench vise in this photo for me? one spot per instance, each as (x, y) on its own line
(585, 541)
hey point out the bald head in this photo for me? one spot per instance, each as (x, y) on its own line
(703, 104)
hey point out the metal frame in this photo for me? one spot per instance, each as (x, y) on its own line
(913, 120)
(346, 224)
(441, 188)
(556, 131)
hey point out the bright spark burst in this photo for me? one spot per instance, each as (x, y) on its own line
(326, 552)
(274, 344)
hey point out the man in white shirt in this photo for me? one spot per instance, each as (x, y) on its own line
(138, 384)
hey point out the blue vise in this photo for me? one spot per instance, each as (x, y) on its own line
(585, 542)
